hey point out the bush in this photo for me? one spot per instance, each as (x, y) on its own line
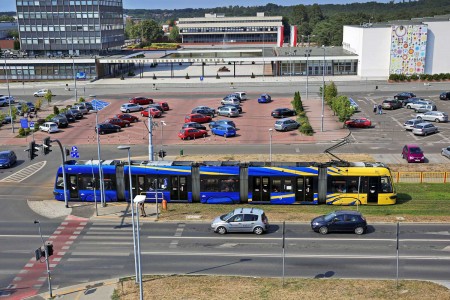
(402, 77)
(306, 129)
(55, 110)
(393, 77)
(423, 76)
(81, 100)
(435, 77)
(414, 77)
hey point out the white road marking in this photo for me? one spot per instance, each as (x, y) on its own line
(26, 172)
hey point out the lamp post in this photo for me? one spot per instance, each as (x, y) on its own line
(162, 135)
(307, 54)
(323, 86)
(100, 170)
(270, 144)
(9, 98)
(138, 200)
(150, 135)
(46, 259)
(132, 210)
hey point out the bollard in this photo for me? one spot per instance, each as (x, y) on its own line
(181, 152)
(164, 204)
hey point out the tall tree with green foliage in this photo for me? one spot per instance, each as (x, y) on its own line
(330, 92)
(48, 96)
(174, 34)
(151, 30)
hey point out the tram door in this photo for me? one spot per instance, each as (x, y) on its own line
(261, 189)
(305, 191)
(178, 189)
(372, 197)
(73, 186)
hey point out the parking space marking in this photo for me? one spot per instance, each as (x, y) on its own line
(26, 172)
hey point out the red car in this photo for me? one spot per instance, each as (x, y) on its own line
(199, 118)
(164, 105)
(128, 117)
(191, 133)
(358, 123)
(118, 122)
(156, 113)
(141, 100)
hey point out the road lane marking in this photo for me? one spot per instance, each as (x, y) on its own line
(26, 172)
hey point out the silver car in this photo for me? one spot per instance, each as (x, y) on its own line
(417, 104)
(228, 111)
(230, 100)
(286, 124)
(434, 116)
(241, 220)
(424, 128)
(446, 152)
(409, 125)
(130, 107)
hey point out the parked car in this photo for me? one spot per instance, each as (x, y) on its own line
(6, 120)
(164, 105)
(425, 108)
(49, 127)
(409, 125)
(81, 107)
(199, 118)
(141, 100)
(224, 130)
(340, 221)
(286, 124)
(6, 100)
(89, 106)
(416, 104)
(444, 96)
(157, 106)
(29, 108)
(358, 123)
(40, 93)
(230, 100)
(283, 112)
(404, 95)
(154, 112)
(237, 106)
(353, 104)
(412, 100)
(204, 111)
(69, 116)
(228, 111)
(221, 122)
(424, 128)
(212, 111)
(76, 113)
(130, 107)
(7, 159)
(413, 153)
(193, 125)
(264, 98)
(446, 152)
(118, 122)
(191, 133)
(241, 95)
(434, 116)
(247, 219)
(61, 120)
(128, 117)
(391, 104)
(103, 128)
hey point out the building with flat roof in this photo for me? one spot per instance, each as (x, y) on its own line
(59, 27)
(218, 29)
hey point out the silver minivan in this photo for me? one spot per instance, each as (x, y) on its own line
(241, 220)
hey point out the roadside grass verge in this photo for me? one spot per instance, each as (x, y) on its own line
(426, 202)
(248, 288)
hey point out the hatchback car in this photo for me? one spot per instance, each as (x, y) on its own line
(61, 120)
(103, 128)
(157, 106)
(444, 96)
(6, 100)
(228, 111)
(286, 124)
(25, 107)
(413, 153)
(89, 106)
(199, 118)
(221, 122)
(128, 117)
(230, 100)
(70, 117)
(237, 106)
(118, 122)
(425, 129)
(425, 108)
(433, 116)
(283, 112)
(130, 107)
(193, 125)
(76, 113)
(224, 130)
(358, 123)
(81, 107)
(340, 221)
(154, 112)
(264, 98)
(141, 100)
(391, 104)
(241, 220)
(7, 159)
(49, 127)
(241, 95)
(404, 95)
(40, 93)
(446, 152)
(191, 133)
(204, 111)
(409, 125)
(164, 105)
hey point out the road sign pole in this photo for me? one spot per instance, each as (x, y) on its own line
(66, 201)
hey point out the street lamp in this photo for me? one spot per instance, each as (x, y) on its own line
(132, 209)
(162, 134)
(307, 54)
(150, 135)
(46, 259)
(9, 98)
(138, 200)
(100, 170)
(323, 86)
(270, 144)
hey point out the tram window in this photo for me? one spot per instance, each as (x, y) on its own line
(141, 184)
(276, 183)
(353, 186)
(338, 186)
(163, 183)
(386, 186)
(60, 182)
(86, 183)
(109, 182)
(209, 185)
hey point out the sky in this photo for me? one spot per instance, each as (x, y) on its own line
(10, 5)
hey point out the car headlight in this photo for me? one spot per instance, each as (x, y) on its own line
(315, 223)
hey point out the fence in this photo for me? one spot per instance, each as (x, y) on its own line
(421, 177)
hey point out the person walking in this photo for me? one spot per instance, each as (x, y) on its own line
(380, 109)
(141, 205)
(374, 108)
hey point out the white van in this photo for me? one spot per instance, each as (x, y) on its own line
(242, 95)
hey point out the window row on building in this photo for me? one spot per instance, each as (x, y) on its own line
(315, 68)
(183, 22)
(70, 41)
(46, 71)
(228, 29)
(71, 28)
(230, 38)
(56, 15)
(69, 2)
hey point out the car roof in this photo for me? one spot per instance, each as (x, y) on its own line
(248, 210)
(6, 152)
(412, 146)
(347, 212)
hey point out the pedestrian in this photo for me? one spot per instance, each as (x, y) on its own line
(141, 205)
(374, 108)
(380, 109)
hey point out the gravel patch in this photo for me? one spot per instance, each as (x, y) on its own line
(50, 208)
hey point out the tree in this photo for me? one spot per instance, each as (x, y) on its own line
(16, 45)
(151, 31)
(48, 96)
(330, 92)
(174, 34)
(299, 15)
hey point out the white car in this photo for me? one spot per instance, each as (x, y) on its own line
(446, 152)
(409, 125)
(41, 93)
(433, 116)
(49, 127)
(241, 95)
(130, 107)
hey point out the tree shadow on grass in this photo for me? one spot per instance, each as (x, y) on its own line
(403, 198)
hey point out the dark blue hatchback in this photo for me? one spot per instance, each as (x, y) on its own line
(343, 221)
(7, 159)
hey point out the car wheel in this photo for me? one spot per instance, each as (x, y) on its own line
(359, 230)
(128, 111)
(221, 230)
(438, 121)
(141, 109)
(285, 129)
(425, 133)
(118, 130)
(258, 230)
(204, 135)
(323, 230)
(102, 132)
(408, 106)
(126, 125)
(188, 138)
(419, 118)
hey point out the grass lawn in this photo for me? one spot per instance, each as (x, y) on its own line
(428, 202)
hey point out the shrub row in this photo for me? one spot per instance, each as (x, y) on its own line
(302, 118)
(413, 77)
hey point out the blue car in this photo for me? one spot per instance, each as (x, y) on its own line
(224, 130)
(7, 159)
(221, 122)
(264, 98)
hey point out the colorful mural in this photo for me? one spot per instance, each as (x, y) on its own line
(408, 49)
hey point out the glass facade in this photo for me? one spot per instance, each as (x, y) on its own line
(47, 71)
(315, 67)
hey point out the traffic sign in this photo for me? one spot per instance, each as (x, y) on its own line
(74, 149)
(74, 154)
(201, 78)
(31, 125)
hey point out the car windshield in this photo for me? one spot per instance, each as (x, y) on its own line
(415, 150)
(3, 155)
(329, 217)
(227, 216)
